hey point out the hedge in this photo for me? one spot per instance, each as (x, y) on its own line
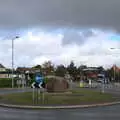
(7, 83)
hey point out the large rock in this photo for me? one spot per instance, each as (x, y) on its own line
(57, 84)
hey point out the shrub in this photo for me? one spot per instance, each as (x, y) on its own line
(7, 82)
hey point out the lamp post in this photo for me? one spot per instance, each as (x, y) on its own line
(13, 59)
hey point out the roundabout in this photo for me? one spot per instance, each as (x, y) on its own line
(80, 98)
(94, 112)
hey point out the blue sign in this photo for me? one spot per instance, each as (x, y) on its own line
(39, 78)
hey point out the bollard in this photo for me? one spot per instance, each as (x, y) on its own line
(43, 97)
(33, 95)
(36, 95)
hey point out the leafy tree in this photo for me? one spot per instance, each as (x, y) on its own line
(72, 69)
(60, 71)
(113, 74)
(48, 68)
(38, 66)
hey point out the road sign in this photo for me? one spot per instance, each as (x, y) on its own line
(39, 81)
(38, 78)
(36, 85)
(33, 85)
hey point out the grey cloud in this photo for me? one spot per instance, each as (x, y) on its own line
(88, 33)
(73, 13)
(74, 36)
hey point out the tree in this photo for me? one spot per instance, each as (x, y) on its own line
(48, 68)
(113, 74)
(60, 71)
(38, 67)
(72, 69)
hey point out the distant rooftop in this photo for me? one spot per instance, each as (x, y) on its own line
(90, 69)
(1, 66)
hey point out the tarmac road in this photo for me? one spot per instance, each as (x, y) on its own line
(97, 113)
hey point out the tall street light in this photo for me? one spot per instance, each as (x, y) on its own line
(16, 37)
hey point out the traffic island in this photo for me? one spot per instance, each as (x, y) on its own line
(72, 99)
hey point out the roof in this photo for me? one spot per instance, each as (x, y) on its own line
(24, 69)
(8, 72)
(90, 69)
(115, 67)
(1, 66)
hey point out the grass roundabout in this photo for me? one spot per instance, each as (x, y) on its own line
(73, 97)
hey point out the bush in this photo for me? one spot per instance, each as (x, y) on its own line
(7, 83)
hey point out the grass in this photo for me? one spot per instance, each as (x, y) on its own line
(82, 96)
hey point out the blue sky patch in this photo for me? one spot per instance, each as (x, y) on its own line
(115, 37)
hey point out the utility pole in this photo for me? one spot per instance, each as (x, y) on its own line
(12, 63)
(13, 59)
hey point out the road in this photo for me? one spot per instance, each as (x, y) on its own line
(96, 113)
(99, 113)
(15, 90)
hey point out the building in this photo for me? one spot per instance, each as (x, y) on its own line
(115, 68)
(2, 68)
(5, 72)
(24, 70)
(90, 72)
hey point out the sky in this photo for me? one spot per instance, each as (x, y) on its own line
(60, 31)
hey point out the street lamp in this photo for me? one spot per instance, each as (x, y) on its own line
(16, 37)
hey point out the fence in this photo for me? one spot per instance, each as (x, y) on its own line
(96, 85)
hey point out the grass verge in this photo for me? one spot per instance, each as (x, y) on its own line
(82, 96)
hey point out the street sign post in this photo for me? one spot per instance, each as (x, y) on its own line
(37, 86)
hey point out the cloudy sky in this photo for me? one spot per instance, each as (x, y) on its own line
(60, 31)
